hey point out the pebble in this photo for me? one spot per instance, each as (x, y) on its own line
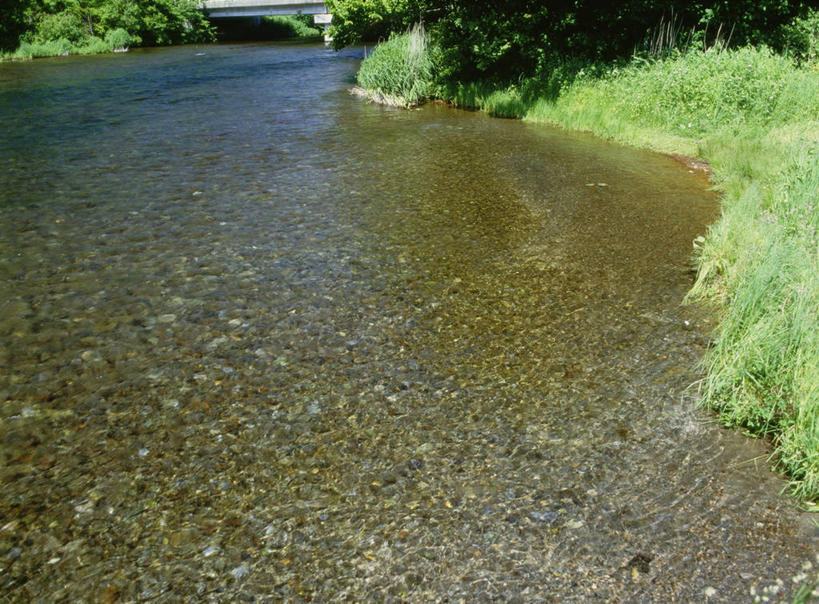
(209, 551)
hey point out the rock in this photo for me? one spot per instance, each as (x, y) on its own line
(547, 516)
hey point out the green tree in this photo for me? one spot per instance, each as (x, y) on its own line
(509, 38)
(372, 20)
(15, 19)
(150, 22)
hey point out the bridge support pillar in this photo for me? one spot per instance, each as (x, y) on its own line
(324, 20)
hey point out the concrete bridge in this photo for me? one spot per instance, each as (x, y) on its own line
(261, 8)
(257, 9)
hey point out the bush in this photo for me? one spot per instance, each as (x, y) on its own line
(399, 71)
(92, 46)
(800, 38)
(65, 25)
(118, 38)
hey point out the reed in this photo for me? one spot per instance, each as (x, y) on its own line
(399, 71)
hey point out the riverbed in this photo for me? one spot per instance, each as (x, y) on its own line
(262, 341)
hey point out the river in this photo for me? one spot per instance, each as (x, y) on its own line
(262, 341)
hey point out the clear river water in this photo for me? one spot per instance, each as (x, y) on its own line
(262, 341)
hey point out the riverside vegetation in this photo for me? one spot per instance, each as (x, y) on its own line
(47, 28)
(41, 28)
(753, 115)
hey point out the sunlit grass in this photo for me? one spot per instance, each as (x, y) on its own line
(400, 70)
(115, 40)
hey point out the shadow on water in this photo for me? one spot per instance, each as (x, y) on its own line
(261, 340)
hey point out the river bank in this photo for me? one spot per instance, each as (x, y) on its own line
(753, 117)
(66, 37)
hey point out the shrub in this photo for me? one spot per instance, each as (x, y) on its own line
(92, 46)
(400, 71)
(64, 25)
(801, 37)
(118, 38)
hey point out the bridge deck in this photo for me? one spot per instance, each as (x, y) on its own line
(259, 8)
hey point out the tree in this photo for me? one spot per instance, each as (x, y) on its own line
(371, 20)
(150, 22)
(510, 38)
(15, 19)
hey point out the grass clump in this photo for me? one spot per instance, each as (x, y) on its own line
(762, 261)
(116, 40)
(35, 50)
(754, 116)
(399, 71)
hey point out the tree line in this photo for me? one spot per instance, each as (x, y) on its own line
(479, 39)
(486, 39)
(80, 22)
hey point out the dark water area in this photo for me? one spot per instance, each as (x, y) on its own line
(264, 342)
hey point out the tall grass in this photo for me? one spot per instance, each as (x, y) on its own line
(115, 40)
(754, 116)
(399, 71)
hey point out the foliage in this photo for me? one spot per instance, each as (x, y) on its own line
(56, 26)
(502, 41)
(14, 20)
(118, 38)
(40, 24)
(92, 46)
(371, 20)
(158, 22)
(400, 70)
(800, 37)
(287, 27)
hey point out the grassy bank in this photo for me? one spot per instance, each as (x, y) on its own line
(117, 40)
(754, 117)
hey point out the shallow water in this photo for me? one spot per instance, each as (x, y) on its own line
(264, 341)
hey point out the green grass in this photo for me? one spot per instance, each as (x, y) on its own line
(29, 50)
(115, 40)
(754, 116)
(289, 28)
(399, 71)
